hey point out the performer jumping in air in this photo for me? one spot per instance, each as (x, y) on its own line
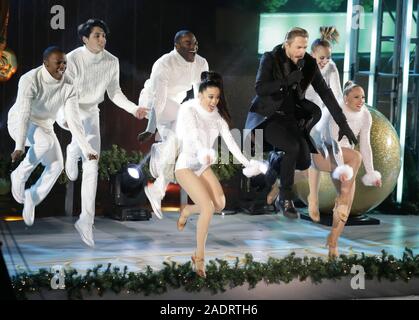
(321, 50)
(181, 69)
(172, 76)
(42, 92)
(200, 122)
(94, 71)
(345, 162)
(286, 116)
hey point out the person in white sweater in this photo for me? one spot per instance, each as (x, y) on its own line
(41, 93)
(172, 76)
(360, 121)
(200, 122)
(94, 71)
(321, 50)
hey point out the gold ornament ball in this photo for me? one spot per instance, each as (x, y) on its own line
(8, 64)
(386, 153)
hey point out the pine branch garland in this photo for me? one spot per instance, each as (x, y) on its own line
(221, 275)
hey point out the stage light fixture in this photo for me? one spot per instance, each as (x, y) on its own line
(128, 198)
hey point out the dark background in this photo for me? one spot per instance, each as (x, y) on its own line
(141, 31)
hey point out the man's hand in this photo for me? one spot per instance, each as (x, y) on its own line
(16, 155)
(141, 112)
(92, 156)
(345, 130)
(294, 77)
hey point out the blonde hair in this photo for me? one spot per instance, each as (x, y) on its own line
(349, 86)
(295, 32)
(328, 35)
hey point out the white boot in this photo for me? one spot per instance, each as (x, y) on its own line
(85, 230)
(71, 166)
(28, 213)
(18, 187)
(155, 200)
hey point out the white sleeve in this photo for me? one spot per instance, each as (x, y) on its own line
(231, 143)
(145, 97)
(364, 142)
(116, 95)
(159, 84)
(25, 98)
(335, 84)
(72, 116)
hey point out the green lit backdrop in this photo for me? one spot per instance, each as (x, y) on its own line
(274, 26)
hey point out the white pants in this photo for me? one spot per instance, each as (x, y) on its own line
(44, 149)
(151, 124)
(90, 167)
(163, 156)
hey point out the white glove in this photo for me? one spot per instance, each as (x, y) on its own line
(255, 168)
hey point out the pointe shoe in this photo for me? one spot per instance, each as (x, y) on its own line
(181, 225)
(272, 195)
(198, 265)
(313, 208)
(333, 248)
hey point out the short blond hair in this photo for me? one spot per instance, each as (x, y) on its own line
(295, 32)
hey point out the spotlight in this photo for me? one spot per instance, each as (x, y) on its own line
(128, 198)
(133, 179)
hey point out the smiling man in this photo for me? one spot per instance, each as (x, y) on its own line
(172, 76)
(42, 93)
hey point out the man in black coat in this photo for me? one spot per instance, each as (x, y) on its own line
(281, 110)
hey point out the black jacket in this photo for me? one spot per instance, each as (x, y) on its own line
(271, 88)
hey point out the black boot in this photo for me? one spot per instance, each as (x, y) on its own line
(274, 167)
(287, 208)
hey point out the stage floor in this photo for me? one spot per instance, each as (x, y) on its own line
(136, 244)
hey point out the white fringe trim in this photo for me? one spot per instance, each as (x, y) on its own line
(371, 178)
(202, 154)
(255, 168)
(345, 169)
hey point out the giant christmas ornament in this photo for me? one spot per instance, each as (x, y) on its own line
(386, 158)
(8, 64)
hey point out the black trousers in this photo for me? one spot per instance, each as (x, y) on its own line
(285, 135)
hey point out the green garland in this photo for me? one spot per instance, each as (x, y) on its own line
(221, 275)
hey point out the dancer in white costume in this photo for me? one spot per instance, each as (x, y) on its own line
(172, 76)
(360, 121)
(200, 122)
(321, 50)
(94, 71)
(42, 92)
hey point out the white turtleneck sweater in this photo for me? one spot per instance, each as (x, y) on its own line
(197, 129)
(39, 98)
(171, 78)
(95, 74)
(360, 123)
